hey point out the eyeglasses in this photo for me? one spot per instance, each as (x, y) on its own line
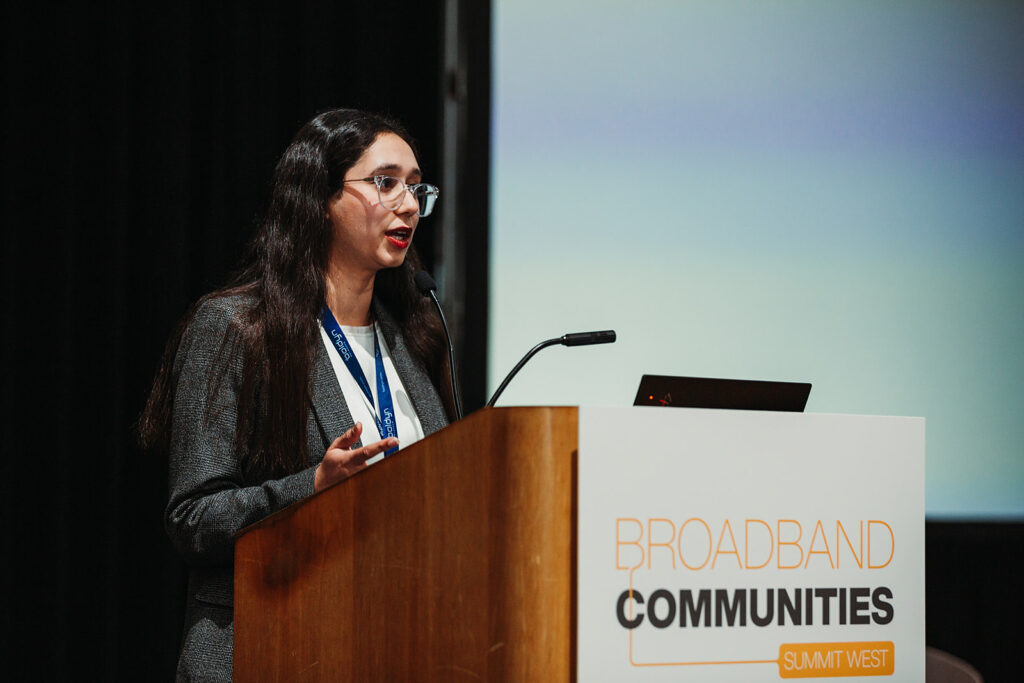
(391, 192)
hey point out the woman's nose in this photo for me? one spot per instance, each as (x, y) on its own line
(409, 203)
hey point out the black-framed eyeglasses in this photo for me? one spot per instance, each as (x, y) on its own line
(391, 192)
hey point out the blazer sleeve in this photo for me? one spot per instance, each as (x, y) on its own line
(210, 499)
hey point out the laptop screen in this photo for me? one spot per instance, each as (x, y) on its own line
(729, 394)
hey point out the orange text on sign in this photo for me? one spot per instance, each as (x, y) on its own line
(817, 660)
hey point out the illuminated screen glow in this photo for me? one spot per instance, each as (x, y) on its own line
(810, 191)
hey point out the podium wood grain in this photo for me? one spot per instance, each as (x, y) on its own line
(451, 560)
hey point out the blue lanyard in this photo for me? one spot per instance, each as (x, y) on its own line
(385, 416)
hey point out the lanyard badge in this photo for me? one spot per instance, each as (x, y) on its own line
(385, 414)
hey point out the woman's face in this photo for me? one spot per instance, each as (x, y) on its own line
(366, 236)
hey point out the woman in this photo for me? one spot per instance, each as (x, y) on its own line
(319, 357)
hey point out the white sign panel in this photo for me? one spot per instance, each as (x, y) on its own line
(749, 546)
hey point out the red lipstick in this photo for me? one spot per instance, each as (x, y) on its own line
(399, 237)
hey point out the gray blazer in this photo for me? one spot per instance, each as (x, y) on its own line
(210, 498)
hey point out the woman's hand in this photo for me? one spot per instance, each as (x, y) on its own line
(341, 461)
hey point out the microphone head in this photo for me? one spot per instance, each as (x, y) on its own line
(587, 338)
(424, 282)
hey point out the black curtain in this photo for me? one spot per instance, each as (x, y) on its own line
(138, 145)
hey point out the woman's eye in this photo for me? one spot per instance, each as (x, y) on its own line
(388, 183)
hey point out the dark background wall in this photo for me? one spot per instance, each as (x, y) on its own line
(137, 148)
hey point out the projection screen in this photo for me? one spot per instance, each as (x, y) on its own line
(828, 192)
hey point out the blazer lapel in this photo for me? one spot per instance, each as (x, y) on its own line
(329, 407)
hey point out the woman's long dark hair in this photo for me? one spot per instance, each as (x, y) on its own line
(283, 273)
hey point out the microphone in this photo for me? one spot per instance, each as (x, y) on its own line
(586, 338)
(571, 339)
(427, 286)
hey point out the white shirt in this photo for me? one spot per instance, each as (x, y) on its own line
(360, 339)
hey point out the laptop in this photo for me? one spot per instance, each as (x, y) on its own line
(729, 394)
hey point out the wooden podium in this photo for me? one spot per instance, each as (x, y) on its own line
(453, 559)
